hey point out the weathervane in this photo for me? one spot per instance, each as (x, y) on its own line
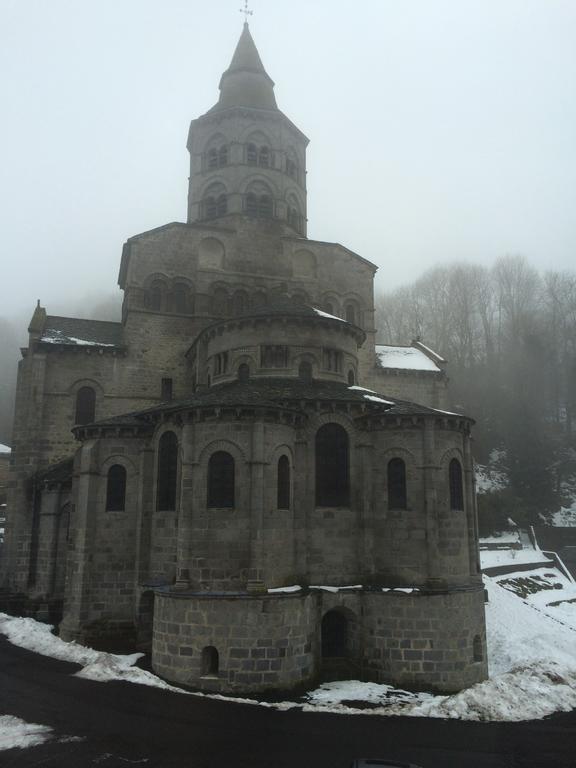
(246, 12)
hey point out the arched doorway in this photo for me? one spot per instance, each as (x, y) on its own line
(338, 642)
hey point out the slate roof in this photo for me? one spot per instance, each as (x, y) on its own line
(277, 393)
(57, 473)
(74, 331)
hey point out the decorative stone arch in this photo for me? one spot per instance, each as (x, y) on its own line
(215, 141)
(243, 359)
(292, 164)
(156, 287)
(214, 200)
(331, 301)
(328, 493)
(213, 184)
(211, 253)
(220, 444)
(130, 470)
(304, 263)
(162, 430)
(300, 297)
(306, 357)
(219, 299)
(352, 309)
(338, 631)
(118, 458)
(240, 300)
(181, 295)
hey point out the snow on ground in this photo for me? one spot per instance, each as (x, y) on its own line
(494, 558)
(16, 733)
(5, 448)
(531, 653)
(504, 537)
(565, 517)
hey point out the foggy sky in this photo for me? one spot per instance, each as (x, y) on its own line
(439, 129)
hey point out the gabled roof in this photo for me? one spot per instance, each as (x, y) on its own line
(75, 331)
(405, 358)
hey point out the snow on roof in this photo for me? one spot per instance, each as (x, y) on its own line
(326, 314)
(5, 448)
(404, 358)
(57, 337)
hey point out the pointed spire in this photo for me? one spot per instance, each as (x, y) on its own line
(246, 83)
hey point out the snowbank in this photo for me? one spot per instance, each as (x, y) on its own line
(17, 734)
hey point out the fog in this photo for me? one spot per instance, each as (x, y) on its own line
(439, 131)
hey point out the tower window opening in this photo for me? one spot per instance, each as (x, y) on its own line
(223, 156)
(213, 158)
(283, 483)
(210, 208)
(332, 360)
(265, 207)
(264, 157)
(222, 205)
(116, 489)
(351, 378)
(251, 204)
(332, 466)
(153, 298)
(305, 371)
(221, 480)
(291, 168)
(294, 219)
(251, 154)
(274, 356)
(181, 298)
(85, 406)
(396, 484)
(456, 485)
(243, 372)
(166, 390)
(350, 314)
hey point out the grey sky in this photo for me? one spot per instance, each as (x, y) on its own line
(439, 129)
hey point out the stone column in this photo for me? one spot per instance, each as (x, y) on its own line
(303, 487)
(365, 507)
(146, 501)
(256, 506)
(185, 508)
(470, 502)
(430, 480)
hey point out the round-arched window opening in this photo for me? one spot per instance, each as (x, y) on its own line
(332, 466)
(351, 378)
(210, 661)
(305, 371)
(116, 488)
(243, 372)
(85, 406)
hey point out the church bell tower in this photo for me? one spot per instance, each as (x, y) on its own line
(246, 157)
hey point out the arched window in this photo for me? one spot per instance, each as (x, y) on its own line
(154, 296)
(291, 168)
(251, 154)
(220, 302)
(259, 300)
(240, 303)
(456, 487)
(251, 204)
(350, 314)
(351, 378)
(328, 307)
(222, 205)
(243, 372)
(210, 661)
(221, 480)
(116, 489)
(264, 157)
(294, 219)
(283, 484)
(332, 466)
(223, 156)
(305, 370)
(85, 406)
(396, 484)
(213, 158)
(167, 471)
(265, 207)
(181, 298)
(210, 208)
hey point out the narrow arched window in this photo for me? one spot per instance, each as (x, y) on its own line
(264, 157)
(350, 314)
(259, 300)
(210, 661)
(222, 205)
(396, 484)
(213, 158)
(456, 487)
(243, 372)
(305, 370)
(167, 471)
(153, 297)
(223, 156)
(265, 207)
(240, 303)
(332, 467)
(283, 484)
(251, 154)
(351, 378)
(251, 204)
(220, 302)
(210, 208)
(181, 298)
(221, 480)
(116, 489)
(85, 406)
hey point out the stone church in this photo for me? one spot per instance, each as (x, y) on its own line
(235, 476)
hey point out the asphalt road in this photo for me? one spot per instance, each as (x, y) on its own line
(123, 724)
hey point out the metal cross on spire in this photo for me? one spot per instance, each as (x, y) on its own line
(246, 11)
